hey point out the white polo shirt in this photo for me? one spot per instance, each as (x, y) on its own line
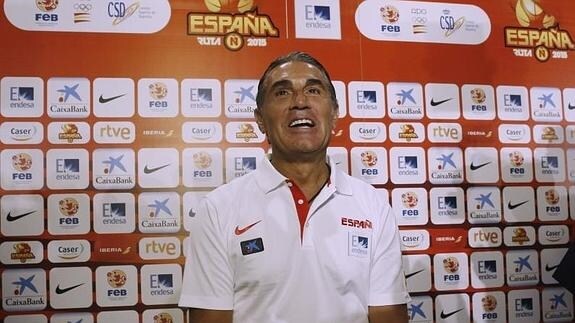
(247, 253)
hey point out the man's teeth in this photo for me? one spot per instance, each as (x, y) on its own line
(301, 122)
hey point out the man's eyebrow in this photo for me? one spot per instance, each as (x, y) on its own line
(281, 83)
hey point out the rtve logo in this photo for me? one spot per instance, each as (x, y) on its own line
(118, 132)
(159, 248)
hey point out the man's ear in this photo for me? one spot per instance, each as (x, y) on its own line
(259, 120)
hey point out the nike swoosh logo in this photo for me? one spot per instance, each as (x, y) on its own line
(446, 315)
(67, 289)
(413, 274)
(570, 107)
(155, 169)
(436, 103)
(547, 268)
(513, 206)
(11, 218)
(102, 100)
(476, 167)
(239, 231)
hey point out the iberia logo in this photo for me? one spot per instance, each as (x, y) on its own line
(235, 22)
(539, 34)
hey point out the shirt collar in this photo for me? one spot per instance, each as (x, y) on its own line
(268, 178)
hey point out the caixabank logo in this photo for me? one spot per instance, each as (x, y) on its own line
(234, 23)
(539, 34)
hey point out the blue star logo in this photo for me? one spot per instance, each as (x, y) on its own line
(253, 246)
(25, 283)
(160, 206)
(485, 199)
(446, 160)
(406, 95)
(113, 163)
(67, 91)
(522, 262)
(416, 310)
(546, 99)
(558, 300)
(245, 92)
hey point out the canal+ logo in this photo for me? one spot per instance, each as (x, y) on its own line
(233, 22)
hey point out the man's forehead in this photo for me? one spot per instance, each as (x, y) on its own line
(295, 70)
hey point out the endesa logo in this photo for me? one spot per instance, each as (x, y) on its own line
(539, 33)
(231, 23)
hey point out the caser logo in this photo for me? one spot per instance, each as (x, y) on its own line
(159, 248)
(21, 132)
(64, 251)
(414, 239)
(114, 132)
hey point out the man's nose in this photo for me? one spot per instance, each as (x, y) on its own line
(299, 99)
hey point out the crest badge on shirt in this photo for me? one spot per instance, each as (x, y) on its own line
(358, 245)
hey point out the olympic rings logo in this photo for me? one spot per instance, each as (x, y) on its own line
(83, 6)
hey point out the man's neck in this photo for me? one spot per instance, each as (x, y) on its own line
(309, 176)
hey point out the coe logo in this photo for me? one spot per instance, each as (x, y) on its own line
(485, 237)
(414, 239)
(159, 248)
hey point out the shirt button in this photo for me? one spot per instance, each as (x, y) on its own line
(289, 184)
(300, 201)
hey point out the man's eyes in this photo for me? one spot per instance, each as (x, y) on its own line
(307, 91)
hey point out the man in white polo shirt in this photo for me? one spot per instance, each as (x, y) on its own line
(296, 240)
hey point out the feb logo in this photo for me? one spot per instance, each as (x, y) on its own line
(116, 280)
(409, 201)
(22, 162)
(539, 34)
(69, 207)
(369, 160)
(390, 16)
(451, 267)
(163, 317)
(489, 304)
(232, 21)
(46, 6)
(202, 161)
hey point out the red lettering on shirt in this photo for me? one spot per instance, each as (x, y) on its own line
(363, 224)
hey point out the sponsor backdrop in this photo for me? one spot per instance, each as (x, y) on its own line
(118, 116)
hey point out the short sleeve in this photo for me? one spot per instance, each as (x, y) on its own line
(387, 279)
(208, 276)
